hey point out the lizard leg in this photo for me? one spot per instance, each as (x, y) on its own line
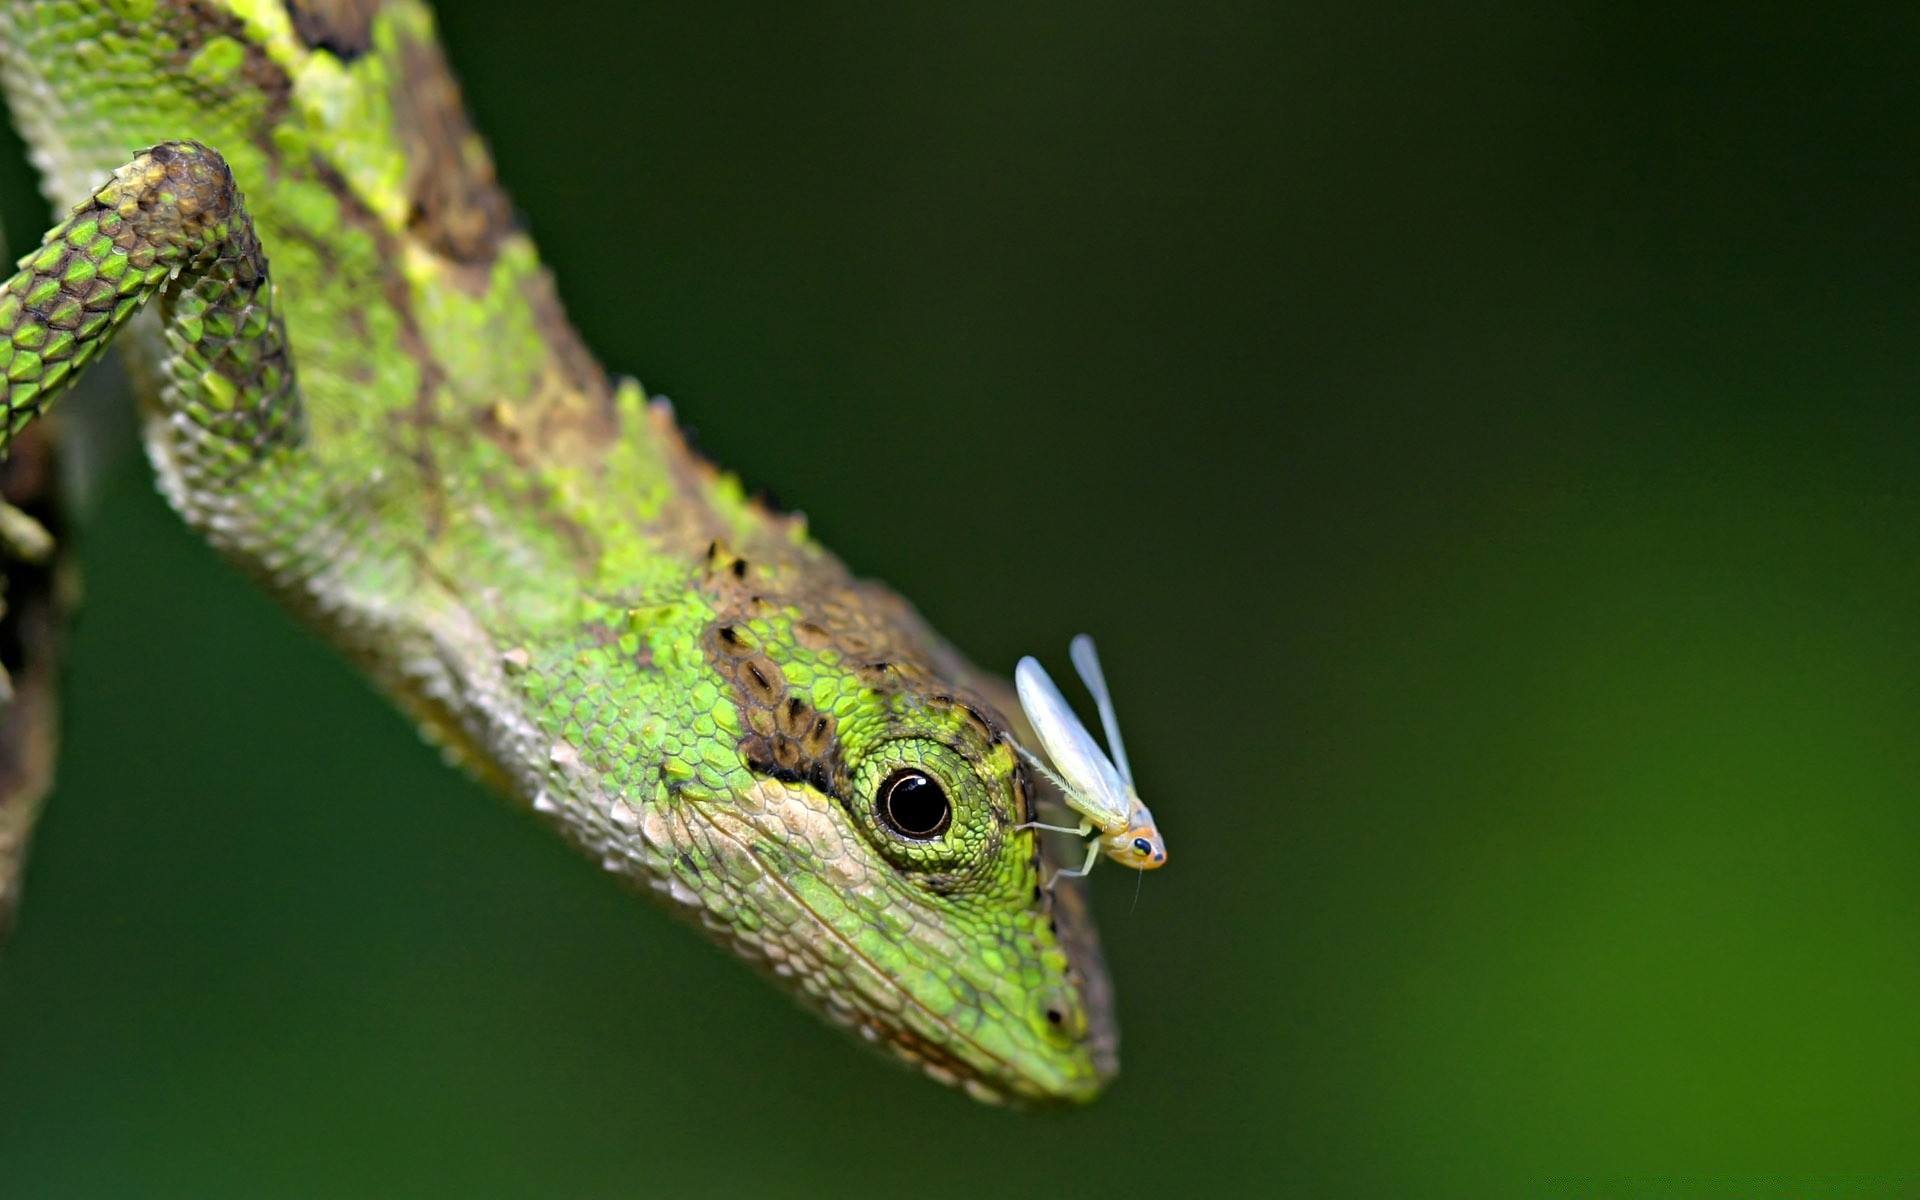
(170, 224)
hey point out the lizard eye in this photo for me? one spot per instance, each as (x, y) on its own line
(921, 804)
(914, 805)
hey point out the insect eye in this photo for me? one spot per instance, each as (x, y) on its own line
(912, 804)
(1142, 847)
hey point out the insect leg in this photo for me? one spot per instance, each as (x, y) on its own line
(1093, 852)
(1082, 830)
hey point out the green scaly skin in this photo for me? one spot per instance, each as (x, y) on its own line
(399, 433)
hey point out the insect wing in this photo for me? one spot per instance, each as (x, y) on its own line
(1086, 660)
(1095, 786)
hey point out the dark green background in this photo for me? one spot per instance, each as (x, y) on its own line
(1482, 438)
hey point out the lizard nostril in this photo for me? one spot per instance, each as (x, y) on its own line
(1066, 1023)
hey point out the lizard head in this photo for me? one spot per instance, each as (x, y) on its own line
(822, 785)
(884, 817)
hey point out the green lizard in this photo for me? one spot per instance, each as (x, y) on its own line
(395, 429)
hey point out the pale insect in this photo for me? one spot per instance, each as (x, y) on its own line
(1099, 788)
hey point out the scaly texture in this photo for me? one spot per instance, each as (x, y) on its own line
(527, 556)
(171, 216)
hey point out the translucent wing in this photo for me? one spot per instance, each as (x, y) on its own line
(1096, 788)
(1086, 660)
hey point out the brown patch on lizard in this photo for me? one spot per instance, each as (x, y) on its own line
(786, 737)
(574, 363)
(343, 28)
(456, 206)
(457, 210)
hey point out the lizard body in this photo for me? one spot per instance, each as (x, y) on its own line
(358, 383)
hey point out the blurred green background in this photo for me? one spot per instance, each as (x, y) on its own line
(1482, 438)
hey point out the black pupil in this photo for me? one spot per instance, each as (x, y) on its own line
(914, 806)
